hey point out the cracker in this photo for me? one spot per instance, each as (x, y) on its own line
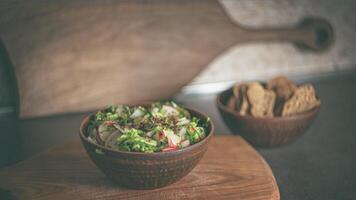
(241, 102)
(303, 99)
(282, 86)
(261, 100)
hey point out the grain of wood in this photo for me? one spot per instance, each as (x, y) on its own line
(74, 56)
(230, 169)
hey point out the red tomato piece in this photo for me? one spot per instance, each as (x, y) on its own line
(109, 123)
(161, 135)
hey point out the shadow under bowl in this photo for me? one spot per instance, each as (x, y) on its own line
(265, 131)
(138, 170)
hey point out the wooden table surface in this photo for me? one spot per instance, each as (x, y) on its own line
(230, 169)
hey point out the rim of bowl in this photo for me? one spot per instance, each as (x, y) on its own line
(84, 122)
(222, 106)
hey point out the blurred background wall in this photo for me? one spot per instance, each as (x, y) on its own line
(60, 48)
(263, 60)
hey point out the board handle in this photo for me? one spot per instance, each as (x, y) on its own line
(309, 34)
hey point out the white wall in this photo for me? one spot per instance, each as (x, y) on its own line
(260, 61)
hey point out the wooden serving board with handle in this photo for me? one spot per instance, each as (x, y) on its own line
(230, 169)
(81, 55)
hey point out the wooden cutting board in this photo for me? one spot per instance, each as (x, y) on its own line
(81, 55)
(230, 169)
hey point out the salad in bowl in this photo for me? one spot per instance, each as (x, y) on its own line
(146, 146)
(158, 127)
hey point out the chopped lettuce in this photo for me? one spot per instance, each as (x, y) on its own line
(158, 127)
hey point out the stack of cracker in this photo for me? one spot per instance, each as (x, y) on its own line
(279, 97)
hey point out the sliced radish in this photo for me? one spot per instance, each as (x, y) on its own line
(102, 128)
(120, 110)
(112, 139)
(137, 113)
(171, 144)
(185, 143)
(173, 141)
(182, 121)
(170, 110)
(168, 133)
(182, 132)
(154, 110)
(176, 139)
(150, 133)
(169, 149)
(118, 127)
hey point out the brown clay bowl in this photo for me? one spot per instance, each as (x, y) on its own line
(266, 131)
(146, 170)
